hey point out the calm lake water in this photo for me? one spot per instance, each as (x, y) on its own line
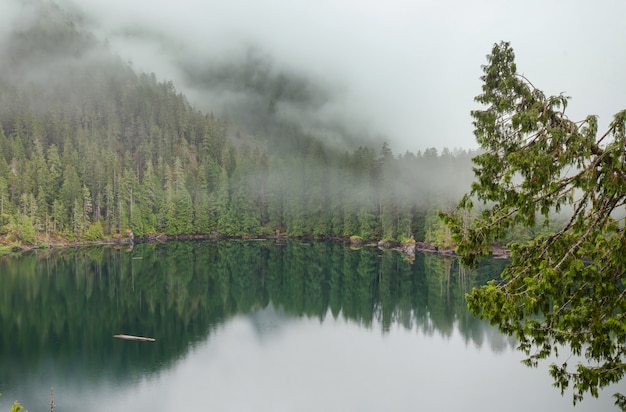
(242, 326)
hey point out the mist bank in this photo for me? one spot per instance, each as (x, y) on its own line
(251, 89)
(58, 49)
(372, 82)
(91, 149)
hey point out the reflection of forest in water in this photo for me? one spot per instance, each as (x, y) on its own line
(65, 306)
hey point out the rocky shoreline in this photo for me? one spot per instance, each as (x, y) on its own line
(408, 248)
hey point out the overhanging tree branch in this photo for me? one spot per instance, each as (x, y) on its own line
(573, 278)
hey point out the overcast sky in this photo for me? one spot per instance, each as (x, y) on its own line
(407, 70)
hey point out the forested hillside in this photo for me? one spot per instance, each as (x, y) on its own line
(90, 149)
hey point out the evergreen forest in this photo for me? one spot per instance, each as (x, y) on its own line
(91, 149)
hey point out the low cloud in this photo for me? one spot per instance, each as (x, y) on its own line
(401, 71)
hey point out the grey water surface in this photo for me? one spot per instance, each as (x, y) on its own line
(242, 326)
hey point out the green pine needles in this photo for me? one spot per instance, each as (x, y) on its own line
(563, 291)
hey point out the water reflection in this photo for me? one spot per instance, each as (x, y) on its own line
(297, 309)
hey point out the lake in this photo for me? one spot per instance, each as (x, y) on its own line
(240, 326)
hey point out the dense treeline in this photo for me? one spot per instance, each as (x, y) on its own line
(90, 149)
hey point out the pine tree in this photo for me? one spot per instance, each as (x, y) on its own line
(564, 288)
(87, 209)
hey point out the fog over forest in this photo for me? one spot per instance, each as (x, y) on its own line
(113, 122)
(401, 71)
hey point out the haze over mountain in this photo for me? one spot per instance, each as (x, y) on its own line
(401, 71)
(92, 145)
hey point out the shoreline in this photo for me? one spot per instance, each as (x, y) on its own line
(408, 248)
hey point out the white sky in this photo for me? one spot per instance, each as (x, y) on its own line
(405, 69)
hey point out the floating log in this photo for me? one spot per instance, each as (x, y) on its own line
(131, 337)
